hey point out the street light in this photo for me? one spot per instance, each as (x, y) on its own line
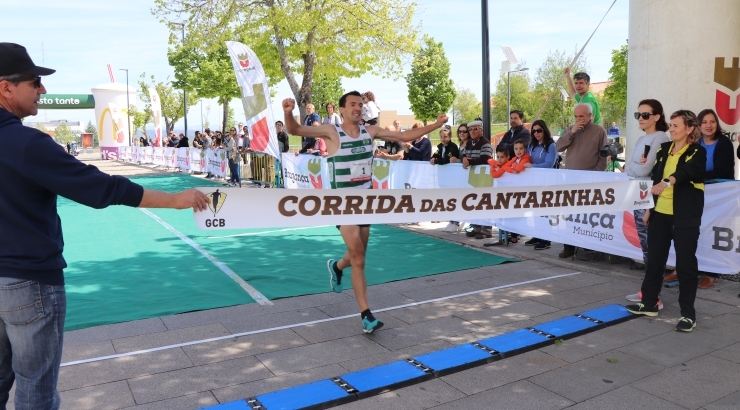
(184, 93)
(128, 108)
(486, 72)
(508, 91)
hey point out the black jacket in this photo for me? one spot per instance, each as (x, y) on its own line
(688, 201)
(183, 143)
(35, 170)
(451, 150)
(723, 160)
(283, 141)
(513, 135)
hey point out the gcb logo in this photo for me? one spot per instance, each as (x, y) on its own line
(217, 202)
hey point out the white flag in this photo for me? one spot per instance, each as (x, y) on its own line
(256, 98)
(157, 116)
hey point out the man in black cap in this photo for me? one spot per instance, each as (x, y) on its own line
(35, 170)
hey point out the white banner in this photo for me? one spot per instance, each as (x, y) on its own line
(182, 158)
(255, 97)
(148, 155)
(283, 208)
(156, 105)
(197, 160)
(170, 157)
(158, 156)
(216, 162)
(305, 172)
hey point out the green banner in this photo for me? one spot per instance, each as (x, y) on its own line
(66, 101)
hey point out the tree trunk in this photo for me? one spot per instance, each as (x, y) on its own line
(225, 104)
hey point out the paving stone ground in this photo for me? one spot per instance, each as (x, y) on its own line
(642, 363)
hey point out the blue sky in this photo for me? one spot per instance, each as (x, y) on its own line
(80, 36)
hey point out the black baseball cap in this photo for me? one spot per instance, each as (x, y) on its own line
(14, 59)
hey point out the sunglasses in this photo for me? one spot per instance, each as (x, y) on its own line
(538, 130)
(17, 80)
(462, 132)
(644, 115)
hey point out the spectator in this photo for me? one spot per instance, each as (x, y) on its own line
(462, 137)
(232, 154)
(613, 130)
(397, 125)
(183, 141)
(477, 152)
(652, 120)
(612, 164)
(282, 136)
(243, 145)
(206, 139)
(390, 150)
(720, 164)
(172, 140)
(196, 140)
(517, 132)
(370, 110)
(583, 141)
(578, 88)
(331, 116)
(311, 117)
(419, 149)
(446, 150)
(143, 142)
(543, 154)
(678, 190)
(240, 131)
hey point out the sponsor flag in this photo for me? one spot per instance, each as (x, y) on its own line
(255, 97)
(156, 115)
(118, 122)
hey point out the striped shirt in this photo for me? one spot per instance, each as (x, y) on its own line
(351, 166)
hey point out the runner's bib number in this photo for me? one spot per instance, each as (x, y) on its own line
(360, 170)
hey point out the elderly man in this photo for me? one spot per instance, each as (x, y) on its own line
(583, 141)
(390, 150)
(307, 143)
(477, 152)
(36, 171)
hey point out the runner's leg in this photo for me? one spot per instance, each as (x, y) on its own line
(356, 239)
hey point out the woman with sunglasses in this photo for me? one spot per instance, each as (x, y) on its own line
(462, 137)
(678, 189)
(543, 154)
(652, 120)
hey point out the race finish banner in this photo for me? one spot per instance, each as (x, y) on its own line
(293, 208)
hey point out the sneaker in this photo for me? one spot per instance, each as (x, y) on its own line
(450, 227)
(483, 236)
(335, 280)
(637, 297)
(541, 246)
(641, 309)
(566, 253)
(369, 327)
(532, 242)
(471, 234)
(685, 324)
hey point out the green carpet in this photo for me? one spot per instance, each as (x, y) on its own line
(124, 266)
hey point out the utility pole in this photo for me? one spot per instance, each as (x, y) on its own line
(128, 109)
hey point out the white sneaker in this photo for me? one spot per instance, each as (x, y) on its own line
(450, 227)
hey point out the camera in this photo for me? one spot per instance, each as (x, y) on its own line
(613, 148)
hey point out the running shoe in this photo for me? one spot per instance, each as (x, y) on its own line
(335, 280)
(532, 242)
(542, 246)
(685, 324)
(641, 309)
(637, 297)
(371, 326)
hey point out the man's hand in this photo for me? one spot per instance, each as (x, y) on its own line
(465, 163)
(431, 161)
(567, 71)
(288, 105)
(192, 198)
(527, 165)
(454, 160)
(441, 119)
(576, 128)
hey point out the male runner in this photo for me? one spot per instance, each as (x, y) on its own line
(350, 148)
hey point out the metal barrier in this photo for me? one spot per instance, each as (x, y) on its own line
(259, 168)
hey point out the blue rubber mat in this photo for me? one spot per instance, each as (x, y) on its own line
(514, 341)
(566, 326)
(383, 377)
(304, 396)
(608, 314)
(454, 359)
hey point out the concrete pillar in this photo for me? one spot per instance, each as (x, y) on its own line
(112, 131)
(685, 54)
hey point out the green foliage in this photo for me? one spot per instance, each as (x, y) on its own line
(139, 119)
(546, 92)
(466, 106)
(337, 38)
(41, 128)
(230, 119)
(207, 72)
(521, 97)
(171, 100)
(90, 129)
(326, 90)
(63, 134)
(614, 102)
(431, 91)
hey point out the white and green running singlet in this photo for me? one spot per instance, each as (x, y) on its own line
(351, 166)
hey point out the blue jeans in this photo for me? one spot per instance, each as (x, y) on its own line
(31, 332)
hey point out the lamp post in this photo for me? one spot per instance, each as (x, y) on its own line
(128, 109)
(486, 72)
(184, 93)
(508, 92)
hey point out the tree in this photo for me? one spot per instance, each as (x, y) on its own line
(466, 106)
(63, 134)
(209, 73)
(336, 37)
(171, 100)
(90, 129)
(614, 102)
(546, 93)
(140, 119)
(326, 90)
(431, 91)
(521, 97)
